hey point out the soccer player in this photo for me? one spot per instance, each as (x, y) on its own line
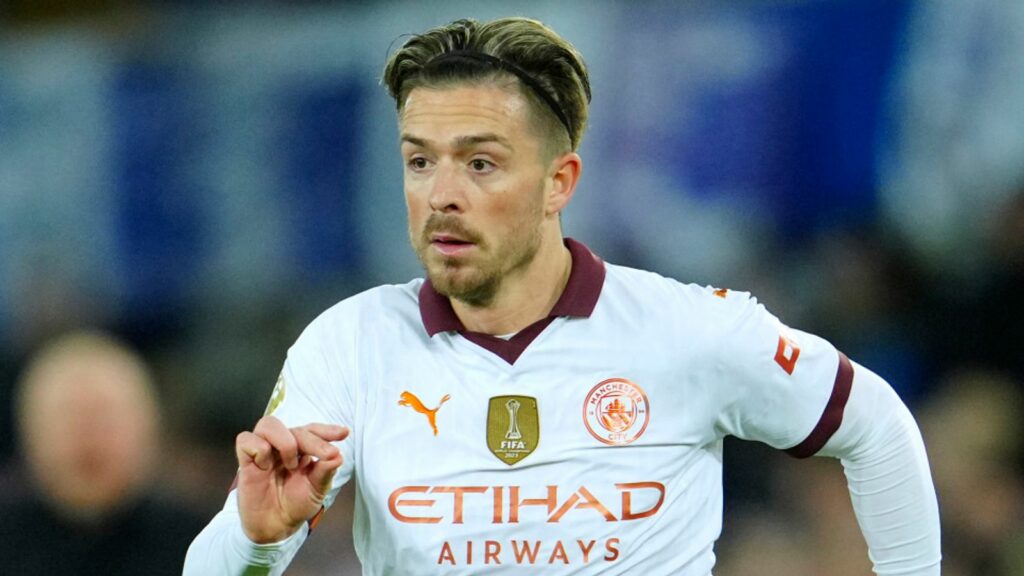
(529, 408)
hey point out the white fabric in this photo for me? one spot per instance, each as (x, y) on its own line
(886, 469)
(444, 504)
(223, 548)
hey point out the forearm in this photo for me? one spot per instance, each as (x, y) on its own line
(890, 483)
(222, 549)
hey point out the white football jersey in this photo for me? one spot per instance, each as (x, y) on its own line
(589, 443)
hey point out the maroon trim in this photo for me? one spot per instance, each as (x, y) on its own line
(578, 299)
(832, 417)
(436, 311)
(315, 520)
(585, 282)
(509, 350)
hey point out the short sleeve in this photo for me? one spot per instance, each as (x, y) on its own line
(777, 385)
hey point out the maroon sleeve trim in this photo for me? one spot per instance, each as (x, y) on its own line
(832, 417)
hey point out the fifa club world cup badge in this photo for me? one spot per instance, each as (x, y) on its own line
(513, 427)
(616, 411)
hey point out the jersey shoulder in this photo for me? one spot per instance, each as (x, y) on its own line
(707, 320)
(664, 294)
(332, 346)
(379, 309)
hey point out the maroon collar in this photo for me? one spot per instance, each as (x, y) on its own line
(578, 299)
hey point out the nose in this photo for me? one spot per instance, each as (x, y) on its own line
(447, 193)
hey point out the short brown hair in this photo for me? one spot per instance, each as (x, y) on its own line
(552, 65)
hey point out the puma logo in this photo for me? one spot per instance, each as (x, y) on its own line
(409, 399)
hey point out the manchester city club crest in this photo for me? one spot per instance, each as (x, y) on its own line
(616, 411)
(513, 427)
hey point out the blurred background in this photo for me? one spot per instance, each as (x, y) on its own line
(201, 179)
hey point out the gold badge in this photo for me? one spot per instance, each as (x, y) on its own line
(513, 427)
(276, 397)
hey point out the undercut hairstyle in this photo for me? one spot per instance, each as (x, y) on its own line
(549, 71)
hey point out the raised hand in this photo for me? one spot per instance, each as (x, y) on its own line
(284, 475)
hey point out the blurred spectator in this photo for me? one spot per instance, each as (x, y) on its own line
(804, 526)
(973, 431)
(761, 543)
(89, 428)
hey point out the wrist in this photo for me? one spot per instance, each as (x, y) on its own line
(267, 553)
(269, 537)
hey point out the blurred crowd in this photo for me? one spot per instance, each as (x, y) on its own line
(117, 422)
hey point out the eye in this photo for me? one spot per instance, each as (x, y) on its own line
(481, 165)
(418, 163)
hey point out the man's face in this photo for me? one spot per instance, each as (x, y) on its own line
(90, 433)
(475, 186)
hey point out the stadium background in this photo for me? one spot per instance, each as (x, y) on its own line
(203, 178)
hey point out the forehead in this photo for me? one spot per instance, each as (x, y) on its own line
(445, 113)
(78, 381)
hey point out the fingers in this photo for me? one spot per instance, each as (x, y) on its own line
(315, 439)
(329, 432)
(320, 470)
(323, 471)
(280, 438)
(251, 448)
(271, 440)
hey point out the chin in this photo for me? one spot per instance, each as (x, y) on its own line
(460, 284)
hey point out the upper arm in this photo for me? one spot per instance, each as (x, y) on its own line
(313, 387)
(777, 385)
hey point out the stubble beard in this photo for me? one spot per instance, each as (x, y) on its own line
(475, 282)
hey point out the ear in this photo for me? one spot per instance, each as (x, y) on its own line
(564, 174)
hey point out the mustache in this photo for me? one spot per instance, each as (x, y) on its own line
(448, 224)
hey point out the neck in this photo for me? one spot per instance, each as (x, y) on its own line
(524, 297)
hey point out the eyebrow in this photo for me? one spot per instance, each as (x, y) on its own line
(462, 142)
